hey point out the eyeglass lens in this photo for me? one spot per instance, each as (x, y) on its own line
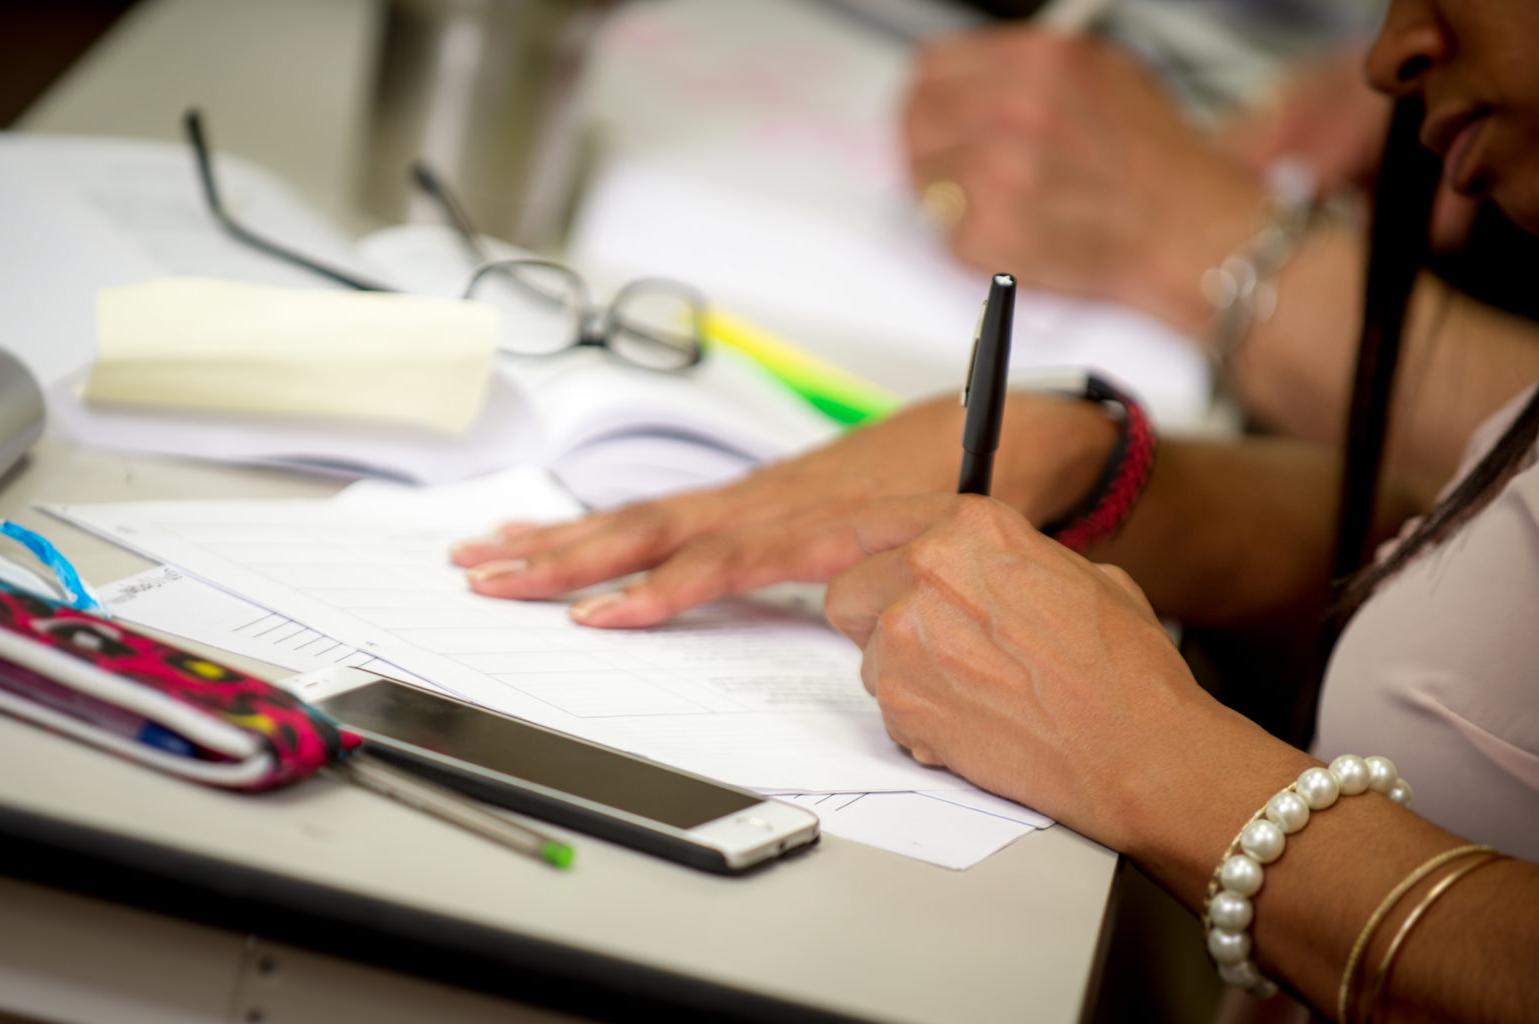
(654, 327)
(540, 306)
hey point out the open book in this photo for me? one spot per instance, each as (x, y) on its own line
(116, 212)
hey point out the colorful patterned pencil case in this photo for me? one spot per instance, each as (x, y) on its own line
(145, 700)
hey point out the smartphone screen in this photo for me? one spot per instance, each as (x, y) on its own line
(533, 754)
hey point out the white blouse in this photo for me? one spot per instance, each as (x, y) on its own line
(1439, 670)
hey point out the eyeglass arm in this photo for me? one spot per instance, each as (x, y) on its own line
(435, 189)
(193, 122)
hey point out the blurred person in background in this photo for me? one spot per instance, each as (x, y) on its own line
(1111, 169)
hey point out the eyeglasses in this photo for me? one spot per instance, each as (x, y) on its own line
(545, 307)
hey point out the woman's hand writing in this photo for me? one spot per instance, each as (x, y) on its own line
(1003, 656)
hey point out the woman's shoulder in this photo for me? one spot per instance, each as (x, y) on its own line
(1488, 433)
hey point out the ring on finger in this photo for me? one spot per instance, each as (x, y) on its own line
(945, 202)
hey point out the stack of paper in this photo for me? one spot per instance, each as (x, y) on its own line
(194, 343)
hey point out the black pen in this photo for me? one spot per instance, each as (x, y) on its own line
(984, 394)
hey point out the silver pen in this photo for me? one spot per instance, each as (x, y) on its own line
(369, 772)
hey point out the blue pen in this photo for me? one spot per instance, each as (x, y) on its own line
(152, 734)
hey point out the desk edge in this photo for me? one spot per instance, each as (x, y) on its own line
(236, 897)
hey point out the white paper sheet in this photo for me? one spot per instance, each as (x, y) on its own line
(149, 193)
(755, 694)
(913, 824)
(63, 253)
(952, 828)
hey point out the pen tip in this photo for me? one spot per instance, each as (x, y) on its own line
(558, 854)
(1004, 280)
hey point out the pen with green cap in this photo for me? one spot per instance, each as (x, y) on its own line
(368, 772)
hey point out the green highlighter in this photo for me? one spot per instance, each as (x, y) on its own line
(837, 393)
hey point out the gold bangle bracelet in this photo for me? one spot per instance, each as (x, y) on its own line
(1380, 982)
(1344, 996)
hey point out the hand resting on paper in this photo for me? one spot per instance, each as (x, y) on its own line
(790, 521)
(992, 651)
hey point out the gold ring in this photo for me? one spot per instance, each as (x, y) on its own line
(945, 202)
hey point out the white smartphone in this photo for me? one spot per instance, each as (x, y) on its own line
(556, 777)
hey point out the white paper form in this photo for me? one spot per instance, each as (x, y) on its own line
(953, 829)
(166, 600)
(753, 694)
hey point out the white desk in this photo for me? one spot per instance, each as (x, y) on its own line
(324, 903)
(845, 929)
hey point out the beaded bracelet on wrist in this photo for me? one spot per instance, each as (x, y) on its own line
(1262, 839)
(1123, 479)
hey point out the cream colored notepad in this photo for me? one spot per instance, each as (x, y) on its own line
(195, 343)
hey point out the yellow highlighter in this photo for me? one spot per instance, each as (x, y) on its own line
(837, 393)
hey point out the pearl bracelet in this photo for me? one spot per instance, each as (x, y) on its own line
(1239, 874)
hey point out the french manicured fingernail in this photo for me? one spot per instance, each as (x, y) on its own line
(588, 607)
(474, 546)
(497, 570)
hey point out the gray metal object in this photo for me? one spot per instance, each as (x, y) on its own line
(483, 91)
(21, 411)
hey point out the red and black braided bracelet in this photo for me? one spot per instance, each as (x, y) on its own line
(1110, 502)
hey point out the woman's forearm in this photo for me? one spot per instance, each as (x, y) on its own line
(1470, 958)
(1461, 359)
(1232, 532)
